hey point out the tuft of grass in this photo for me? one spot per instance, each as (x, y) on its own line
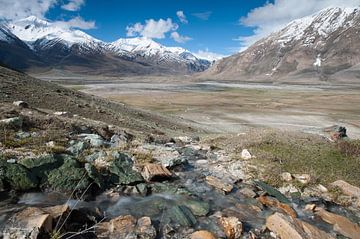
(307, 154)
(143, 158)
(56, 150)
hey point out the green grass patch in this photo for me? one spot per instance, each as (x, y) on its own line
(308, 154)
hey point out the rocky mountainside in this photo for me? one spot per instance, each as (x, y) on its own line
(44, 95)
(321, 47)
(51, 44)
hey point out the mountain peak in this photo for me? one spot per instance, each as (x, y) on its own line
(33, 20)
(32, 28)
(321, 46)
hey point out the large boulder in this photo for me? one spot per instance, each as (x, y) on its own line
(71, 176)
(32, 222)
(17, 177)
(42, 165)
(122, 171)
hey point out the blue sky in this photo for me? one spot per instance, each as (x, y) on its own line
(201, 26)
(217, 33)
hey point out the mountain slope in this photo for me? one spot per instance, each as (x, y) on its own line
(49, 96)
(15, 53)
(321, 47)
(62, 48)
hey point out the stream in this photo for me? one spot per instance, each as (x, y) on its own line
(188, 188)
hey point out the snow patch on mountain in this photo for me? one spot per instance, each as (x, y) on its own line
(31, 29)
(321, 24)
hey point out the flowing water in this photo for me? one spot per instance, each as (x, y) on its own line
(189, 185)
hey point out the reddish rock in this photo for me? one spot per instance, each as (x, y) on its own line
(218, 184)
(202, 235)
(272, 202)
(155, 172)
(341, 224)
(232, 227)
(287, 227)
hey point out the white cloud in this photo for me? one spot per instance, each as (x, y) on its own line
(182, 17)
(76, 22)
(178, 38)
(202, 15)
(16, 9)
(73, 5)
(274, 16)
(207, 55)
(152, 28)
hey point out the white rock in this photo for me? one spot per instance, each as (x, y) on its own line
(245, 154)
(302, 178)
(288, 189)
(50, 144)
(60, 113)
(322, 188)
(286, 177)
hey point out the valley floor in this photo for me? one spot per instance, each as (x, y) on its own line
(231, 107)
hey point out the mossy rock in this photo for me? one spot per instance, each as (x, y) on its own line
(17, 177)
(181, 215)
(95, 175)
(71, 176)
(122, 171)
(198, 208)
(41, 166)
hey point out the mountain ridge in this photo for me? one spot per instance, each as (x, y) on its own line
(323, 47)
(76, 51)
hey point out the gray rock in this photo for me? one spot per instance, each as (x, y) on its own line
(78, 147)
(118, 140)
(23, 135)
(16, 122)
(13, 160)
(21, 103)
(142, 188)
(198, 208)
(92, 157)
(94, 139)
(172, 162)
(247, 192)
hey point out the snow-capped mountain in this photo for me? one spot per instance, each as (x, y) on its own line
(324, 46)
(62, 47)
